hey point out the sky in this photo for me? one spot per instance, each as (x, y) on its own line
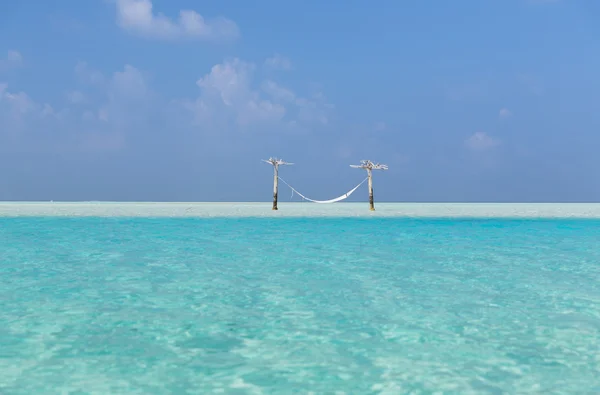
(179, 100)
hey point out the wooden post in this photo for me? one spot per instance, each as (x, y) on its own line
(369, 167)
(275, 163)
(371, 202)
(275, 185)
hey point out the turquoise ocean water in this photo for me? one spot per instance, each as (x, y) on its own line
(294, 305)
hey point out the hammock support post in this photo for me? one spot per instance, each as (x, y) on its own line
(276, 162)
(275, 186)
(369, 167)
(371, 202)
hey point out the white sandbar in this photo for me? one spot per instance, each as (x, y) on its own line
(425, 210)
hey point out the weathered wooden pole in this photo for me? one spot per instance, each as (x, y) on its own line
(275, 185)
(371, 201)
(369, 167)
(276, 162)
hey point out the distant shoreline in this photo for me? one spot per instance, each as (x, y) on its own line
(288, 202)
(299, 209)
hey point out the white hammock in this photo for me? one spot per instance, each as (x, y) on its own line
(337, 199)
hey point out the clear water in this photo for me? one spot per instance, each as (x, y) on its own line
(294, 305)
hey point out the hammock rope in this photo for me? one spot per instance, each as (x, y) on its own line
(337, 199)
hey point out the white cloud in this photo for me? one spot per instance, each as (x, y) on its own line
(87, 75)
(112, 111)
(278, 92)
(19, 107)
(313, 110)
(12, 59)
(18, 103)
(75, 97)
(106, 119)
(22, 117)
(129, 101)
(128, 83)
(481, 141)
(278, 62)
(229, 80)
(228, 92)
(48, 111)
(504, 113)
(137, 16)
(122, 92)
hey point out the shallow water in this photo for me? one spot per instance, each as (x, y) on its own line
(292, 305)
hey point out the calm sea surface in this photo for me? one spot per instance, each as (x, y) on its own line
(293, 305)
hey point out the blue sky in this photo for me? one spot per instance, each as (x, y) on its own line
(179, 100)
